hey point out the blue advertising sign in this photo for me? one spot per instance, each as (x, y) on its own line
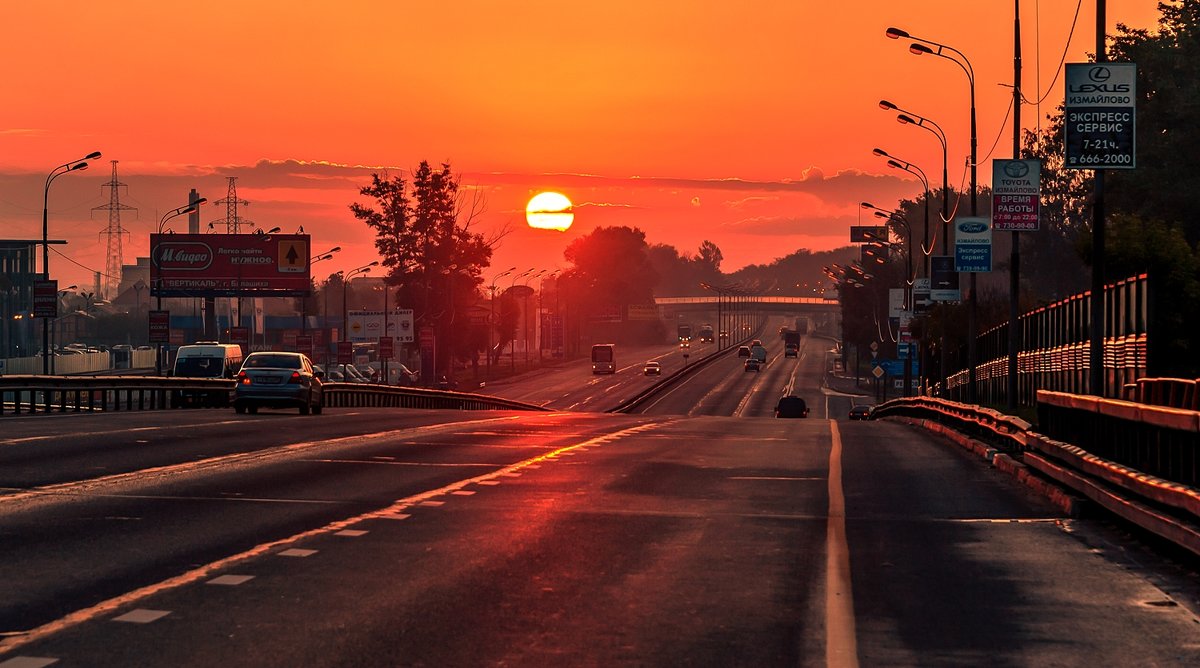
(972, 244)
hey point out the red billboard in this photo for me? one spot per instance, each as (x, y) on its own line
(229, 265)
(45, 299)
(160, 326)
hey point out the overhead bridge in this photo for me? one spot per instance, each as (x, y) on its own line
(761, 303)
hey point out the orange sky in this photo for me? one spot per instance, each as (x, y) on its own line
(748, 124)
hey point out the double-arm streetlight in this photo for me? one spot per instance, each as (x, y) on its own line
(898, 218)
(320, 257)
(904, 165)
(492, 316)
(541, 323)
(346, 284)
(72, 166)
(918, 47)
(512, 357)
(162, 223)
(905, 117)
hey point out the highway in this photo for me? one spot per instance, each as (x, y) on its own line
(700, 531)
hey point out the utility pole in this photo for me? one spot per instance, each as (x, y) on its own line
(1014, 287)
(1096, 350)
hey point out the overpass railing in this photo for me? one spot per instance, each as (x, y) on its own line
(61, 394)
(1140, 462)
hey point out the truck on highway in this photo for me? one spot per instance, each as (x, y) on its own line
(706, 334)
(791, 343)
(684, 332)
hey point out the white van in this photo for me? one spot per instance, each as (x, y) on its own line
(206, 359)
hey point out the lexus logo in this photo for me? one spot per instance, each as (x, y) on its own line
(1099, 74)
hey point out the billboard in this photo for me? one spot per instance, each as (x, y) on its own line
(364, 326)
(1101, 116)
(229, 265)
(860, 234)
(1016, 185)
(972, 244)
(45, 299)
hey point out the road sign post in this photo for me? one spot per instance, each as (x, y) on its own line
(1100, 110)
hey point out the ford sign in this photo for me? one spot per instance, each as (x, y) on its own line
(972, 227)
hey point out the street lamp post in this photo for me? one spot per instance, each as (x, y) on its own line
(525, 310)
(162, 222)
(345, 311)
(492, 316)
(905, 117)
(72, 166)
(921, 46)
(327, 255)
(541, 324)
(512, 357)
(909, 279)
(366, 268)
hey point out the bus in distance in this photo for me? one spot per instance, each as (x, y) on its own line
(604, 358)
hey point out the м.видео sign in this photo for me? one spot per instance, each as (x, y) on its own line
(229, 265)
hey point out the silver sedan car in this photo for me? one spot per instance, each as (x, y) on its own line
(278, 380)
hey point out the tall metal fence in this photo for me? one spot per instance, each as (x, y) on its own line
(1055, 348)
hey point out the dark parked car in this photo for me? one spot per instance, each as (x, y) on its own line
(278, 380)
(860, 412)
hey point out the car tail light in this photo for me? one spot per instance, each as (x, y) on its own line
(295, 377)
(242, 378)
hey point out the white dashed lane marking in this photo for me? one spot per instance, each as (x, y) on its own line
(231, 580)
(142, 616)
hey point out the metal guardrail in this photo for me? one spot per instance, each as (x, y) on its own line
(61, 394)
(1003, 432)
(1136, 461)
(347, 395)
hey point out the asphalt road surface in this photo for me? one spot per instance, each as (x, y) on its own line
(701, 532)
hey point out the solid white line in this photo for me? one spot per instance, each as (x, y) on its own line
(841, 645)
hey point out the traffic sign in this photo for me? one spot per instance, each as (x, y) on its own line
(943, 279)
(1101, 113)
(895, 367)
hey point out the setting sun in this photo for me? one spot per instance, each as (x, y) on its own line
(549, 211)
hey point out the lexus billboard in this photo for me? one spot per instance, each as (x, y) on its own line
(229, 265)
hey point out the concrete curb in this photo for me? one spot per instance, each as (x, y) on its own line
(1071, 506)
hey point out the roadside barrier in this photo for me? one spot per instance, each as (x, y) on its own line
(1137, 461)
(62, 394)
